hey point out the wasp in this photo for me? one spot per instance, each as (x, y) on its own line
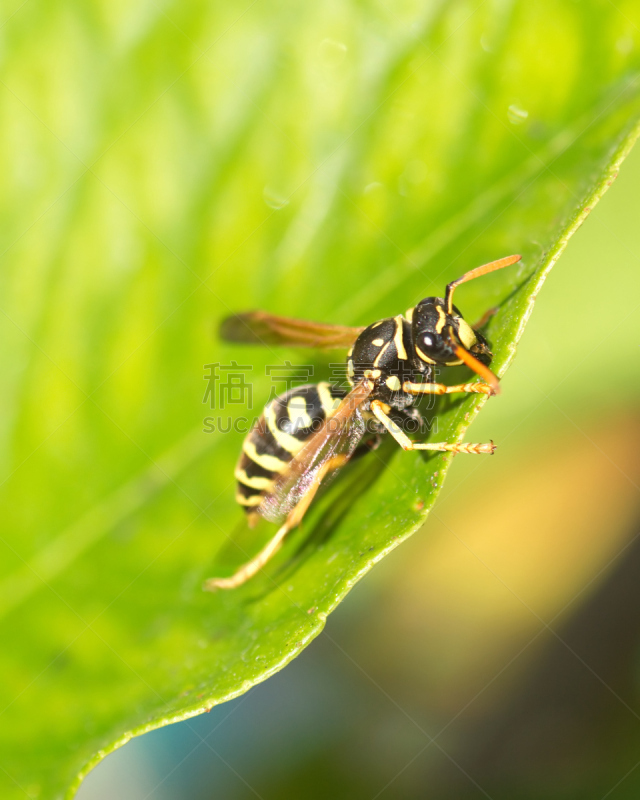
(313, 430)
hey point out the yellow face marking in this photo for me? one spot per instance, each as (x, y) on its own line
(329, 403)
(297, 411)
(378, 342)
(402, 353)
(372, 373)
(350, 370)
(409, 314)
(254, 482)
(466, 333)
(424, 357)
(350, 352)
(393, 382)
(265, 461)
(253, 500)
(378, 358)
(442, 319)
(285, 440)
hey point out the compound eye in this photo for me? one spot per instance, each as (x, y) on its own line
(435, 348)
(427, 341)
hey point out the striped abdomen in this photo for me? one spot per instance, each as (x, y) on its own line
(286, 424)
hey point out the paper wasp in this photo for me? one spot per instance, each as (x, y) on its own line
(312, 430)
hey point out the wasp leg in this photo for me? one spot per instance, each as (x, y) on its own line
(440, 388)
(366, 447)
(403, 440)
(485, 318)
(249, 569)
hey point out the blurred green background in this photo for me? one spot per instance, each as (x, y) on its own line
(166, 163)
(507, 630)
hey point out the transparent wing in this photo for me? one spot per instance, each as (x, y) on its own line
(330, 447)
(260, 327)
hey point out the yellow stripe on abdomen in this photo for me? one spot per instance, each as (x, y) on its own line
(285, 440)
(270, 463)
(252, 500)
(328, 401)
(253, 481)
(297, 411)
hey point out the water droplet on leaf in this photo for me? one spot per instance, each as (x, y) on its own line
(371, 187)
(332, 53)
(516, 114)
(624, 45)
(274, 199)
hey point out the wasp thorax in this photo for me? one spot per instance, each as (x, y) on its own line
(382, 354)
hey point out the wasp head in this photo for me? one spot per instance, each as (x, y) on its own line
(438, 335)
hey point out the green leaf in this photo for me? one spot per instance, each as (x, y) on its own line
(163, 167)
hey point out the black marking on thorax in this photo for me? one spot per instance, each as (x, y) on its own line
(383, 353)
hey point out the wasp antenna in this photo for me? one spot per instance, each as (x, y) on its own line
(492, 266)
(477, 366)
